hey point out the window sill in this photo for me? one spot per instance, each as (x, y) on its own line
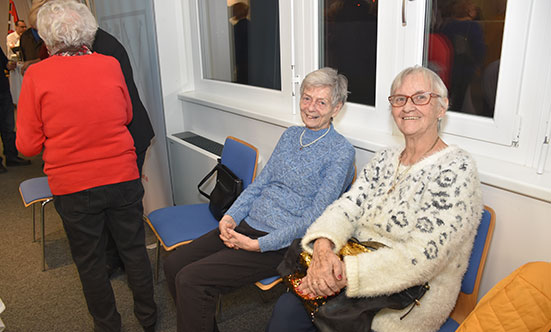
(493, 172)
(269, 113)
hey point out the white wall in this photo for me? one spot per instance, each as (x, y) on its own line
(523, 224)
(521, 234)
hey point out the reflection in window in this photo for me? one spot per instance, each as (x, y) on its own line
(349, 44)
(240, 41)
(464, 48)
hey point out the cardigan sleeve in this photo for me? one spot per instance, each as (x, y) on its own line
(30, 134)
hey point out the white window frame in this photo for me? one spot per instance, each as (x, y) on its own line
(504, 127)
(508, 153)
(269, 101)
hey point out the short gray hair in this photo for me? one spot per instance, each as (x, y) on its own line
(436, 83)
(328, 77)
(66, 24)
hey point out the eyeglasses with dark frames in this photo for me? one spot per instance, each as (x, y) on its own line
(419, 99)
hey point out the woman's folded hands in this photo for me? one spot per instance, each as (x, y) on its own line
(326, 274)
(233, 239)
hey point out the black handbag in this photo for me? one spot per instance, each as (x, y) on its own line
(340, 312)
(226, 190)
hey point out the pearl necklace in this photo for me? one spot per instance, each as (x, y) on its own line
(314, 141)
(398, 177)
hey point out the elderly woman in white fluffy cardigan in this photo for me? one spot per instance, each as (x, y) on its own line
(421, 201)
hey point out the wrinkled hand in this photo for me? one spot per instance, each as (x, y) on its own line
(225, 225)
(233, 239)
(240, 241)
(326, 275)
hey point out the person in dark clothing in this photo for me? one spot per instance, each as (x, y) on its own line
(241, 38)
(469, 48)
(31, 45)
(7, 123)
(140, 128)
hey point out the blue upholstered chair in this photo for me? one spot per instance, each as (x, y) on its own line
(177, 225)
(37, 190)
(468, 296)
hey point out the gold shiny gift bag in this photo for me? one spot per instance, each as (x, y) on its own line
(296, 263)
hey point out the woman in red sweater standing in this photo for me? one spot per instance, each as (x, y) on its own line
(75, 105)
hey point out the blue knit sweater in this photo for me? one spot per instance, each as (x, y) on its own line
(295, 186)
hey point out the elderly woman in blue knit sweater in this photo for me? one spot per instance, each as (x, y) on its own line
(309, 168)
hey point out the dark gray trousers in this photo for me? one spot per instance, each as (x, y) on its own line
(119, 208)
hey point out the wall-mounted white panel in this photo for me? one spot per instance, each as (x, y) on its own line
(188, 165)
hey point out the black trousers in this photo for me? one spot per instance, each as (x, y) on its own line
(7, 125)
(119, 208)
(112, 256)
(197, 273)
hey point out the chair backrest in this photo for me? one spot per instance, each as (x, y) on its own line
(467, 299)
(241, 158)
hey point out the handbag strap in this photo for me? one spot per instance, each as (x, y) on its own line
(206, 178)
(421, 290)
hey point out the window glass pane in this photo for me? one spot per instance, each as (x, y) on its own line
(240, 41)
(464, 40)
(349, 44)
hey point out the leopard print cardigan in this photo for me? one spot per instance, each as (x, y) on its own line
(427, 222)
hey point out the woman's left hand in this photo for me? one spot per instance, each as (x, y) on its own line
(240, 241)
(326, 275)
(311, 289)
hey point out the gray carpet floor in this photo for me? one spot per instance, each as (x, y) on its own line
(53, 300)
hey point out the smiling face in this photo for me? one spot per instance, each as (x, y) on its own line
(415, 120)
(316, 109)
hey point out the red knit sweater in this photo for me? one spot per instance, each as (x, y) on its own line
(77, 109)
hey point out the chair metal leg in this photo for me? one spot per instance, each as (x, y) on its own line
(43, 239)
(34, 223)
(157, 255)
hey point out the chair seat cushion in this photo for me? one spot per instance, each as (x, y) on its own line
(182, 223)
(269, 280)
(34, 190)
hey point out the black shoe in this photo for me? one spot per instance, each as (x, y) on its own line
(17, 162)
(2, 168)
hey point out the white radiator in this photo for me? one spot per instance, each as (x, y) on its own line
(191, 158)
